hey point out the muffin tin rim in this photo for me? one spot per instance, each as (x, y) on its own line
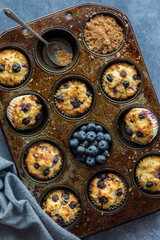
(34, 178)
(34, 50)
(29, 74)
(114, 61)
(114, 15)
(74, 192)
(127, 187)
(73, 130)
(125, 110)
(9, 125)
(133, 177)
(81, 78)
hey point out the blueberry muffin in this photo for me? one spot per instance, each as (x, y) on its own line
(141, 125)
(148, 173)
(13, 67)
(24, 112)
(43, 160)
(121, 81)
(91, 144)
(107, 190)
(62, 206)
(73, 98)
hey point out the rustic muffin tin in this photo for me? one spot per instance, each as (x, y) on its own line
(58, 128)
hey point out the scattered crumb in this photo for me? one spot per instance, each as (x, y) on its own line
(118, 55)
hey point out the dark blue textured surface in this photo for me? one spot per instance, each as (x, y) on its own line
(145, 19)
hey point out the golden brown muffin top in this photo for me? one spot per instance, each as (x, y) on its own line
(43, 160)
(13, 67)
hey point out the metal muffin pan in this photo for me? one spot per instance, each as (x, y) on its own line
(105, 112)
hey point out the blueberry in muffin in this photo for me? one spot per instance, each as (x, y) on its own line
(13, 67)
(121, 81)
(24, 111)
(43, 160)
(62, 206)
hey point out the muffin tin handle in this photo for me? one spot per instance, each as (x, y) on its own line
(9, 13)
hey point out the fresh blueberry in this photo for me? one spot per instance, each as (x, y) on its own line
(81, 150)
(26, 121)
(83, 128)
(90, 161)
(141, 115)
(135, 77)
(139, 134)
(100, 159)
(99, 128)
(107, 137)
(103, 145)
(149, 184)
(81, 158)
(110, 77)
(72, 205)
(92, 151)
(59, 98)
(55, 198)
(36, 165)
(100, 184)
(100, 136)
(90, 136)
(103, 200)
(55, 159)
(65, 195)
(91, 127)
(16, 68)
(119, 192)
(85, 144)
(123, 73)
(81, 135)
(2, 67)
(126, 84)
(43, 147)
(129, 131)
(74, 143)
(105, 153)
(46, 172)
(95, 143)
(76, 103)
(75, 134)
(25, 107)
(60, 220)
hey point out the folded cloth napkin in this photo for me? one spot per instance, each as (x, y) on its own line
(21, 218)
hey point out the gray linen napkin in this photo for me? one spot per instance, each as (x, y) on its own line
(21, 218)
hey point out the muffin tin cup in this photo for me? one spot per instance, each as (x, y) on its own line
(89, 86)
(121, 133)
(34, 178)
(30, 64)
(73, 222)
(78, 127)
(118, 20)
(41, 123)
(139, 188)
(107, 65)
(112, 209)
(59, 34)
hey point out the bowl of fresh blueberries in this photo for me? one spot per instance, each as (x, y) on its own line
(90, 144)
